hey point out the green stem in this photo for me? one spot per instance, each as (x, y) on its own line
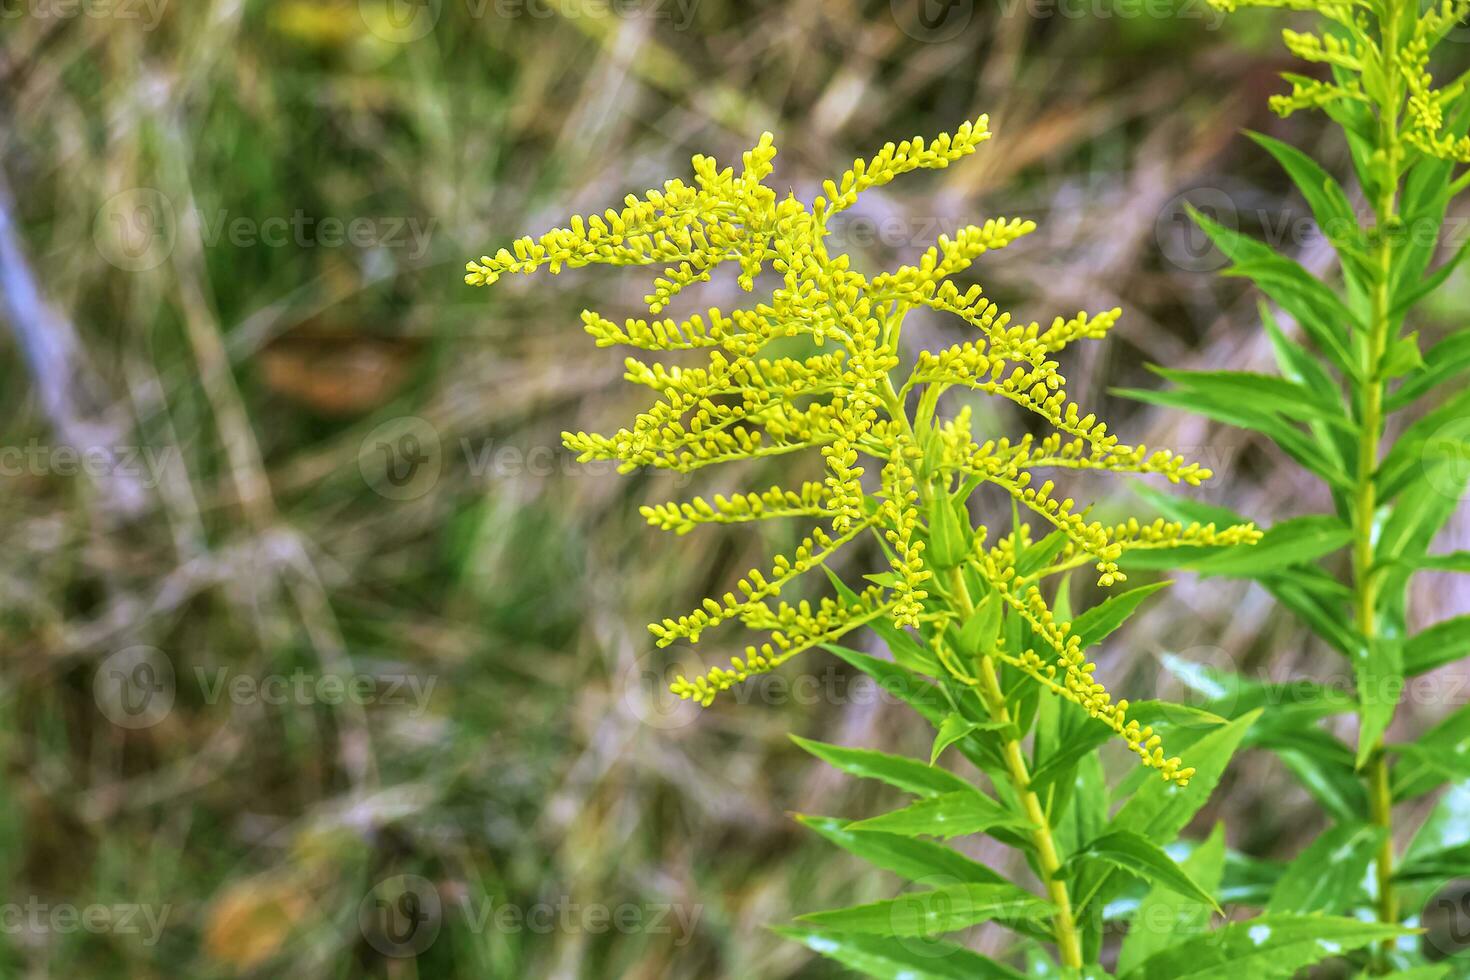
(1365, 584)
(1064, 925)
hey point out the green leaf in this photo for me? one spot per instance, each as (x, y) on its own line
(1264, 393)
(1263, 948)
(1040, 554)
(1440, 644)
(1290, 542)
(906, 650)
(935, 912)
(956, 727)
(1324, 195)
(1060, 762)
(1229, 694)
(1096, 623)
(1161, 919)
(1434, 436)
(1378, 668)
(1455, 561)
(1443, 361)
(912, 859)
(1336, 788)
(899, 959)
(900, 682)
(1403, 357)
(909, 775)
(979, 633)
(1137, 855)
(1447, 828)
(950, 815)
(1316, 307)
(948, 535)
(1160, 809)
(1232, 411)
(1328, 876)
(1439, 755)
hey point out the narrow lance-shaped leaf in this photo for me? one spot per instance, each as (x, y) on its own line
(934, 912)
(950, 815)
(909, 775)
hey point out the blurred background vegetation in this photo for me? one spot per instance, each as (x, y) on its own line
(257, 434)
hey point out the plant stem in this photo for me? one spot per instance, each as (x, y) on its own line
(1364, 582)
(1064, 926)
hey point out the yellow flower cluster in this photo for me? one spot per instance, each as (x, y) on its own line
(840, 399)
(1361, 47)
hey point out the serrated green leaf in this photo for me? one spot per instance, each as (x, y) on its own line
(956, 727)
(1440, 644)
(888, 958)
(1137, 855)
(1162, 919)
(909, 775)
(950, 815)
(1096, 623)
(1440, 755)
(1291, 542)
(1443, 361)
(912, 859)
(933, 912)
(1378, 669)
(1328, 876)
(1160, 809)
(1263, 948)
(1402, 357)
(948, 535)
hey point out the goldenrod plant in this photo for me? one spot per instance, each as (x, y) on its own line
(977, 622)
(1359, 371)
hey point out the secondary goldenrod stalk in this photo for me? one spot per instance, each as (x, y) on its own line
(1364, 581)
(1064, 926)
